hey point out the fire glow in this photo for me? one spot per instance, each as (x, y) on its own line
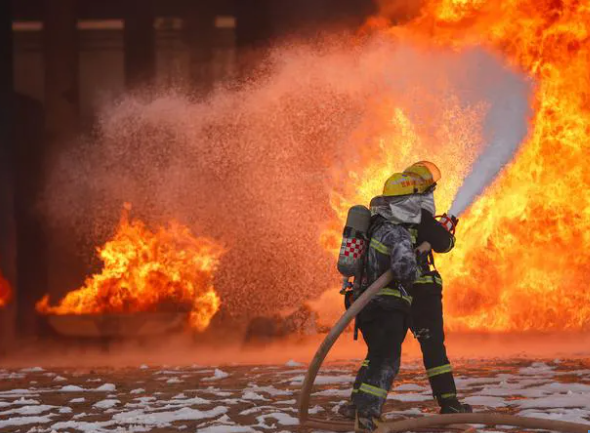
(5, 291)
(147, 271)
(323, 128)
(522, 248)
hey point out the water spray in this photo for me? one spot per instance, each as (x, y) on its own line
(505, 129)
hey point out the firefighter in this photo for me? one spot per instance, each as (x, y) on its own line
(426, 311)
(426, 318)
(385, 320)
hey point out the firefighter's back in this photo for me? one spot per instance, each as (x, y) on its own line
(390, 247)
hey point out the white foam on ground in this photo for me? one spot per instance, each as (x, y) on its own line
(106, 404)
(107, 387)
(322, 380)
(410, 387)
(18, 393)
(174, 380)
(544, 397)
(169, 372)
(333, 393)
(270, 390)
(537, 368)
(25, 420)
(257, 409)
(21, 401)
(571, 400)
(409, 397)
(32, 370)
(217, 374)
(251, 395)
(83, 426)
(28, 410)
(163, 419)
(281, 418)
(475, 381)
(397, 413)
(215, 391)
(224, 428)
(181, 402)
(12, 376)
(316, 409)
(71, 388)
(477, 400)
(292, 401)
(570, 415)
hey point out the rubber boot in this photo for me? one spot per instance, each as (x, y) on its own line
(366, 422)
(453, 405)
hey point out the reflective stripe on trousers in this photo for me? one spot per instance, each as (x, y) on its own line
(437, 371)
(373, 390)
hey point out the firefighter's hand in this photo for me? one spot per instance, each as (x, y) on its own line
(423, 248)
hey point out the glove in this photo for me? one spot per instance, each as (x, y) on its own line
(449, 222)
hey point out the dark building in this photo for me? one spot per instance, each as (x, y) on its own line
(62, 59)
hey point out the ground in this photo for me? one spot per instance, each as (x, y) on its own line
(262, 398)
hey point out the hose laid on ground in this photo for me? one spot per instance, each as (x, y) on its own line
(417, 423)
(482, 418)
(331, 338)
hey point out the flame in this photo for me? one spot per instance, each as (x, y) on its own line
(5, 291)
(148, 270)
(523, 248)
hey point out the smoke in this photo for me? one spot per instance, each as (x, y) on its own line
(505, 128)
(255, 167)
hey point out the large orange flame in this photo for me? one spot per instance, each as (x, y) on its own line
(5, 291)
(521, 261)
(148, 270)
(523, 256)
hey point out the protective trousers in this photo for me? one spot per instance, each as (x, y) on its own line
(427, 326)
(384, 332)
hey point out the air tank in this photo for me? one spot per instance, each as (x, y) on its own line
(354, 241)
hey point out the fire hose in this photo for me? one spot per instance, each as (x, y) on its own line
(410, 424)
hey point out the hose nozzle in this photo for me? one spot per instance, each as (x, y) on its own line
(449, 222)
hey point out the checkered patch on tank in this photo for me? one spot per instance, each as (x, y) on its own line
(353, 247)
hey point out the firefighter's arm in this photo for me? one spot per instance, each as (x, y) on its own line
(439, 238)
(403, 260)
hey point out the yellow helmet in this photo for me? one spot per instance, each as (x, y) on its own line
(425, 174)
(399, 184)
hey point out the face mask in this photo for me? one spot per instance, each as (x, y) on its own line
(398, 209)
(428, 203)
